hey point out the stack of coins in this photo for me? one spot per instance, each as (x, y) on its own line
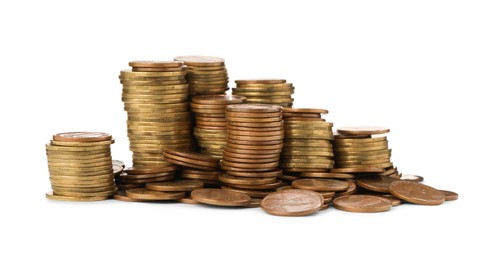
(255, 141)
(206, 75)
(265, 91)
(155, 95)
(80, 166)
(196, 166)
(359, 148)
(138, 177)
(210, 121)
(307, 147)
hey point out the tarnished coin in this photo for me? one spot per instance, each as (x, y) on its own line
(292, 202)
(82, 137)
(450, 195)
(176, 185)
(320, 184)
(416, 193)
(220, 197)
(362, 130)
(145, 194)
(362, 203)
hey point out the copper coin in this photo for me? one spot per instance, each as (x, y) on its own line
(450, 195)
(220, 197)
(251, 156)
(320, 184)
(255, 129)
(273, 147)
(325, 206)
(146, 180)
(362, 203)
(218, 99)
(270, 186)
(270, 165)
(155, 64)
(410, 177)
(195, 171)
(275, 139)
(255, 124)
(254, 108)
(126, 176)
(202, 177)
(416, 193)
(188, 200)
(145, 194)
(230, 179)
(230, 114)
(255, 133)
(259, 81)
(352, 189)
(190, 165)
(255, 119)
(149, 170)
(375, 183)
(82, 137)
(285, 115)
(176, 185)
(168, 156)
(292, 202)
(255, 160)
(196, 60)
(251, 193)
(304, 119)
(362, 130)
(304, 110)
(192, 155)
(357, 170)
(253, 151)
(328, 175)
(393, 200)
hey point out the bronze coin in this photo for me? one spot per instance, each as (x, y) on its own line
(255, 160)
(253, 115)
(250, 166)
(375, 183)
(122, 197)
(327, 175)
(145, 194)
(230, 179)
(416, 193)
(188, 200)
(82, 137)
(305, 110)
(176, 185)
(190, 165)
(353, 188)
(235, 143)
(357, 170)
(410, 177)
(146, 180)
(251, 156)
(299, 119)
(320, 184)
(273, 147)
(220, 197)
(195, 171)
(254, 133)
(362, 130)
(285, 115)
(275, 139)
(157, 69)
(362, 203)
(202, 177)
(192, 155)
(256, 129)
(252, 151)
(253, 124)
(254, 108)
(126, 176)
(393, 200)
(210, 123)
(194, 60)
(450, 195)
(251, 193)
(259, 81)
(292, 202)
(270, 186)
(155, 64)
(222, 100)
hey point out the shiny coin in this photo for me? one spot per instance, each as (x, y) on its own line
(362, 203)
(416, 193)
(292, 202)
(51, 196)
(145, 194)
(320, 184)
(176, 185)
(220, 197)
(362, 130)
(195, 60)
(82, 137)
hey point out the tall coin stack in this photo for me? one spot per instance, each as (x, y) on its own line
(254, 144)
(307, 147)
(210, 121)
(206, 75)
(80, 166)
(265, 91)
(359, 149)
(155, 96)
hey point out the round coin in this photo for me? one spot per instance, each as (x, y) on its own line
(292, 202)
(320, 184)
(145, 194)
(416, 193)
(220, 197)
(362, 203)
(176, 185)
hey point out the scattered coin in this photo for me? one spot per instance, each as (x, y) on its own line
(362, 203)
(220, 197)
(416, 193)
(292, 202)
(450, 195)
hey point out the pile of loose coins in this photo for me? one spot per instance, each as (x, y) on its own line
(255, 150)
(254, 144)
(307, 145)
(206, 75)
(210, 121)
(155, 96)
(80, 166)
(266, 91)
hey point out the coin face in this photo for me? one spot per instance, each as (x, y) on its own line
(220, 197)
(362, 203)
(292, 202)
(362, 130)
(82, 137)
(416, 193)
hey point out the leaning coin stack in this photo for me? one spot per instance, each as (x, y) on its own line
(255, 141)
(155, 96)
(359, 148)
(206, 75)
(210, 121)
(265, 91)
(307, 148)
(80, 166)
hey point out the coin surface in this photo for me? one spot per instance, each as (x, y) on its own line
(145, 194)
(362, 130)
(220, 197)
(375, 183)
(176, 185)
(362, 203)
(292, 202)
(320, 184)
(450, 195)
(82, 137)
(416, 193)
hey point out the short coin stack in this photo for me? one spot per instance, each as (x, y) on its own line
(210, 121)
(265, 91)
(307, 148)
(80, 166)
(356, 148)
(255, 141)
(206, 75)
(155, 95)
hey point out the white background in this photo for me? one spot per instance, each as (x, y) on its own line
(421, 68)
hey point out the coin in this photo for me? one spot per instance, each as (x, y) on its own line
(269, 186)
(393, 200)
(375, 183)
(450, 195)
(362, 130)
(410, 177)
(51, 196)
(82, 137)
(251, 193)
(259, 81)
(254, 108)
(416, 193)
(145, 194)
(292, 202)
(176, 185)
(155, 64)
(220, 197)
(320, 184)
(196, 60)
(362, 203)
(230, 179)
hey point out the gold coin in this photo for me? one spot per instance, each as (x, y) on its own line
(361, 145)
(360, 140)
(99, 148)
(286, 152)
(145, 194)
(170, 81)
(85, 194)
(84, 190)
(361, 149)
(130, 74)
(51, 196)
(362, 130)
